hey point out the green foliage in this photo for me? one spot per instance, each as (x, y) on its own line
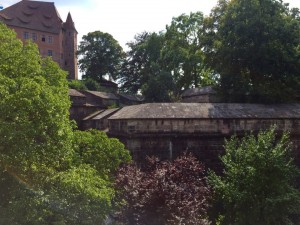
(91, 84)
(81, 195)
(257, 186)
(85, 191)
(172, 60)
(104, 154)
(88, 84)
(182, 53)
(254, 46)
(34, 121)
(49, 174)
(77, 85)
(100, 55)
(142, 71)
(159, 88)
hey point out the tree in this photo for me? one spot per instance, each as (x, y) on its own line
(78, 85)
(88, 84)
(257, 186)
(84, 194)
(104, 154)
(164, 192)
(35, 131)
(100, 55)
(182, 53)
(142, 61)
(34, 120)
(254, 47)
(48, 172)
(159, 88)
(143, 71)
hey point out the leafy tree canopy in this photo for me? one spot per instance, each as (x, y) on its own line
(257, 186)
(143, 71)
(175, 54)
(182, 53)
(88, 84)
(96, 149)
(49, 173)
(78, 85)
(254, 47)
(100, 55)
(34, 104)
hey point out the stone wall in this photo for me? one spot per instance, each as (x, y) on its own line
(169, 138)
(79, 112)
(200, 126)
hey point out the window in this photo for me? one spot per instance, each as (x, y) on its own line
(43, 38)
(50, 39)
(26, 35)
(34, 37)
(50, 53)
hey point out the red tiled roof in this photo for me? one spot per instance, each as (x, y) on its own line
(35, 15)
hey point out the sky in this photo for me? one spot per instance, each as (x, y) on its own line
(123, 19)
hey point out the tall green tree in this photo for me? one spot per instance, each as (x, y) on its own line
(254, 46)
(182, 53)
(142, 60)
(84, 193)
(35, 131)
(49, 174)
(159, 88)
(143, 71)
(258, 182)
(34, 121)
(100, 54)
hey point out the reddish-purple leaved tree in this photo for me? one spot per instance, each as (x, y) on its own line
(164, 193)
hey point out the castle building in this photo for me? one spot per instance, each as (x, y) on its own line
(41, 23)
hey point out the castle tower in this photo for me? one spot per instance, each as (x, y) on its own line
(70, 48)
(41, 23)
